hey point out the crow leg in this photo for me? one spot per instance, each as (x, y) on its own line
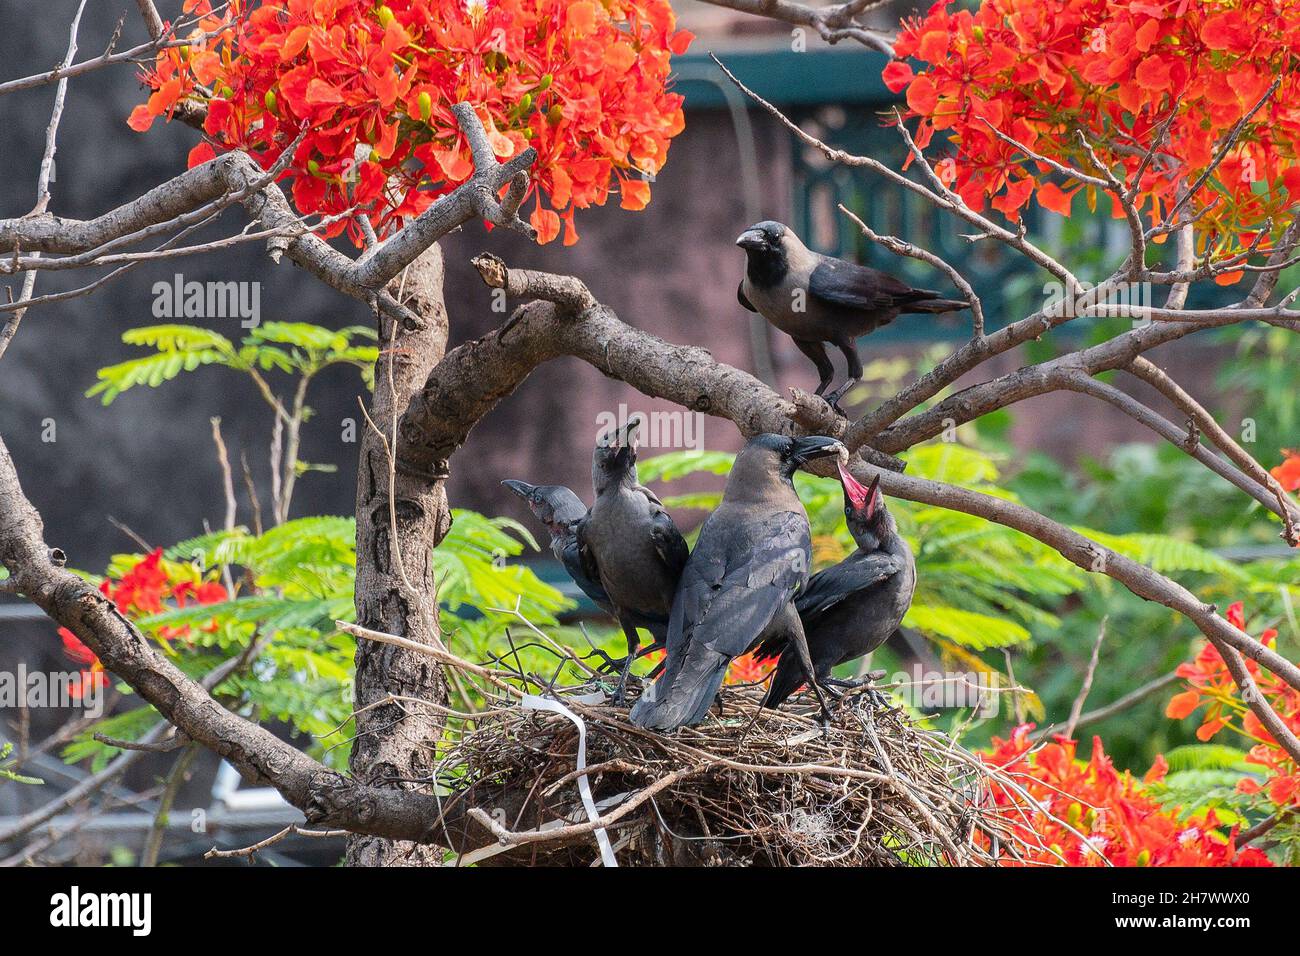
(633, 643)
(817, 352)
(876, 698)
(850, 350)
(610, 665)
(658, 668)
(800, 644)
(614, 665)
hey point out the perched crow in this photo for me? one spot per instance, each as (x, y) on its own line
(628, 543)
(739, 586)
(816, 299)
(560, 510)
(852, 608)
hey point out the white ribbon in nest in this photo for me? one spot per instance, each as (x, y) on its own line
(533, 702)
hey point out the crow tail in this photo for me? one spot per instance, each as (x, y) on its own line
(688, 698)
(936, 306)
(787, 679)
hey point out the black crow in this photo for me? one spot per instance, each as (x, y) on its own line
(738, 588)
(853, 607)
(816, 299)
(559, 510)
(628, 543)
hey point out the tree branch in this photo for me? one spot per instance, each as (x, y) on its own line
(833, 23)
(473, 377)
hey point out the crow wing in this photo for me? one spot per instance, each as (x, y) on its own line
(570, 556)
(855, 574)
(586, 554)
(735, 584)
(744, 299)
(668, 542)
(851, 286)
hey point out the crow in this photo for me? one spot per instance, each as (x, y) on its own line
(628, 543)
(853, 607)
(816, 299)
(559, 510)
(739, 586)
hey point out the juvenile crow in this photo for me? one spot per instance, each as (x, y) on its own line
(559, 510)
(628, 543)
(852, 608)
(816, 299)
(739, 585)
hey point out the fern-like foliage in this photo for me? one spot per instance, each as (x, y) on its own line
(292, 583)
(296, 348)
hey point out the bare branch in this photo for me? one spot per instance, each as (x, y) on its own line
(1076, 709)
(152, 22)
(833, 23)
(1159, 380)
(901, 248)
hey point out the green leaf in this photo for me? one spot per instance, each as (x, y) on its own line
(966, 628)
(676, 464)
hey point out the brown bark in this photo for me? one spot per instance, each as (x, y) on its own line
(395, 588)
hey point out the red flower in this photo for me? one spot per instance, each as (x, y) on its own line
(748, 669)
(372, 86)
(92, 676)
(1064, 809)
(1039, 72)
(1209, 682)
(1288, 473)
(139, 593)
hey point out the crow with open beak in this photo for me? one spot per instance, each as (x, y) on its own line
(852, 608)
(628, 543)
(739, 586)
(816, 299)
(559, 510)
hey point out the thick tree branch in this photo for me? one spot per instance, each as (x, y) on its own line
(237, 177)
(327, 798)
(469, 382)
(833, 23)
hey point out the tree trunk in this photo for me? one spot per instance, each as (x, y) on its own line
(394, 744)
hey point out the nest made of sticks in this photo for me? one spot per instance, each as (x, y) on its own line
(748, 786)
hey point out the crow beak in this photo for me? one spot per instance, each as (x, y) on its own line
(859, 495)
(522, 488)
(805, 450)
(752, 239)
(873, 497)
(625, 437)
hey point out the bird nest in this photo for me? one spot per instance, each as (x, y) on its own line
(748, 786)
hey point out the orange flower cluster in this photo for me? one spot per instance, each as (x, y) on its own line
(139, 593)
(1288, 473)
(1084, 811)
(748, 669)
(372, 86)
(1209, 682)
(1040, 70)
